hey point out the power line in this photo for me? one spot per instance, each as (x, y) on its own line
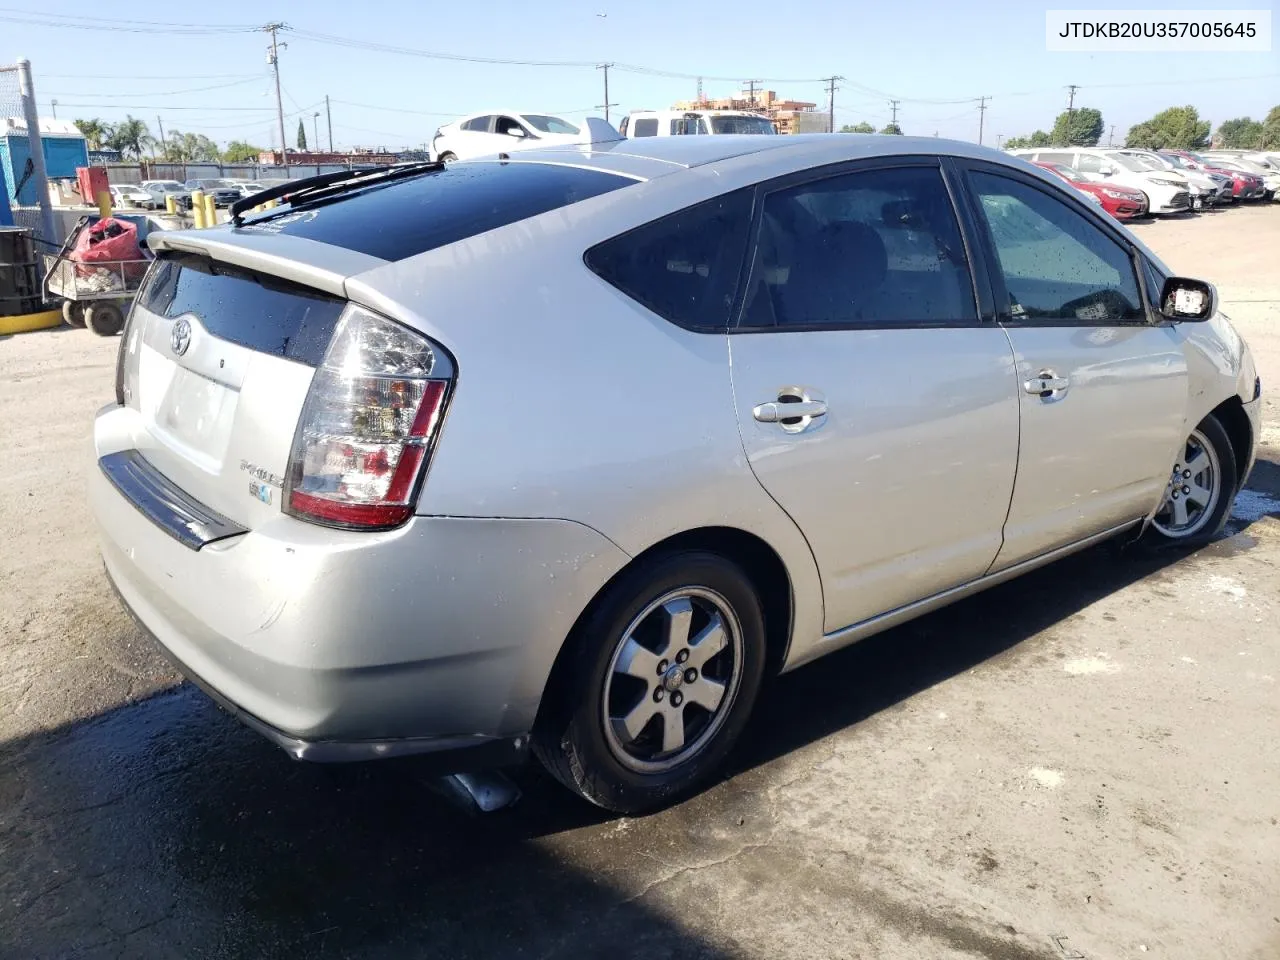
(100, 25)
(158, 93)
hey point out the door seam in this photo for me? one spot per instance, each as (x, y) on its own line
(1017, 453)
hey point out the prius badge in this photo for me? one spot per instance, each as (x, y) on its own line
(180, 336)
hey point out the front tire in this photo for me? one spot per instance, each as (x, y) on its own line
(447, 157)
(1200, 490)
(658, 682)
(105, 319)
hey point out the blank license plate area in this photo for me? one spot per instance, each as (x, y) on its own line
(194, 416)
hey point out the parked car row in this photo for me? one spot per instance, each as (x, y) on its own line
(151, 194)
(485, 134)
(1134, 183)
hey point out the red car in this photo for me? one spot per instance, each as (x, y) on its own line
(1244, 186)
(1123, 203)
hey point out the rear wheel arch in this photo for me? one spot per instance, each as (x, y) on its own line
(758, 560)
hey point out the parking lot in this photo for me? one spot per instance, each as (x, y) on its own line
(1077, 764)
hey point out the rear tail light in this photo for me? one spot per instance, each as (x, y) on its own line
(367, 429)
(127, 363)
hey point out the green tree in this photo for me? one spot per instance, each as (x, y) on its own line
(1178, 128)
(238, 151)
(1271, 130)
(1037, 139)
(302, 135)
(862, 127)
(1238, 134)
(189, 147)
(1077, 128)
(131, 137)
(893, 129)
(95, 132)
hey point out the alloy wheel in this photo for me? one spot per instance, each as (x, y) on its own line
(672, 680)
(1192, 492)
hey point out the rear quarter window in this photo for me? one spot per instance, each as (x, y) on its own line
(684, 267)
(407, 217)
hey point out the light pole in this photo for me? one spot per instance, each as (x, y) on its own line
(315, 125)
(55, 108)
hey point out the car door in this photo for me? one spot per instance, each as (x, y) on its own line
(875, 404)
(1102, 381)
(477, 138)
(510, 134)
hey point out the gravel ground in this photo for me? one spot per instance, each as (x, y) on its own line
(1079, 764)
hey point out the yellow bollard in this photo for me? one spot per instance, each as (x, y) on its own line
(104, 203)
(271, 204)
(197, 208)
(210, 212)
(171, 204)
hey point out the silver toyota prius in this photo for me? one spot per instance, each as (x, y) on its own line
(564, 452)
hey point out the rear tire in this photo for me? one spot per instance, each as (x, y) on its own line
(104, 319)
(1201, 489)
(447, 157)
(640, 713)
(73, 313)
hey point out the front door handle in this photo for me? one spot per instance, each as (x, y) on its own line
(776, 411)
(1046, 384)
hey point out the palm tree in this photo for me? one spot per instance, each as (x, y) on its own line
(95, 132)
(131, 137)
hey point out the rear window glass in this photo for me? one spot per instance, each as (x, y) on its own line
(254, 310)
(407, 217)
(684, 267)
(647, 127)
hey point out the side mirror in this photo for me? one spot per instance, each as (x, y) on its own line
(1106, 171)
(1187, 300)
(517, 132)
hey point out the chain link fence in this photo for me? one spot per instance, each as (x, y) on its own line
(26, 185)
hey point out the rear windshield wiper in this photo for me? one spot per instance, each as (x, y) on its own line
(328, 184)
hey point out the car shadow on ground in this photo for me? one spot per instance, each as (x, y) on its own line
(164, 828)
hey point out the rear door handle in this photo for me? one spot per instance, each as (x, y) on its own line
(1046, 384)
(776, 411)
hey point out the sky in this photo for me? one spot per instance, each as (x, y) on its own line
(934, 56)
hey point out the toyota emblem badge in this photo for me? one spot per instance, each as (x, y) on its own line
(180, 336)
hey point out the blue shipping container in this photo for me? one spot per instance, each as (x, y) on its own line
(62, 155)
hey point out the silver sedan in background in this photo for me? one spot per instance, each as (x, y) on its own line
(567, 452)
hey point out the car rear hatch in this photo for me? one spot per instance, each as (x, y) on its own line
(219, 352)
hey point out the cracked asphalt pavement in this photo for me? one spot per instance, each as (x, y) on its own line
(1078, 764)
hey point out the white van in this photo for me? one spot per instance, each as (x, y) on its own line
(674, 123)
(1167, 191)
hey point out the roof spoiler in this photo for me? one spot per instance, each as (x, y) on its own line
(596, 130)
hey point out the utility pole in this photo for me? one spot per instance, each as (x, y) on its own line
(893, 104)
(1071, 106)
(751, 94)
(274, 59)
(700, 101)
(982, 116)
(164, 144)
(831, 102)
(328, 119)
(605, 67)
(1111, 137)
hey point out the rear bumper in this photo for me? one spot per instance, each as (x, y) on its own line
(439, 635)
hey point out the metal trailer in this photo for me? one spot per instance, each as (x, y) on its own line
(94, 295)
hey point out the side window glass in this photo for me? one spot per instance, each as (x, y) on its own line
(874, 248)
(685, 266)
(506, 125)
(622, 126)
(646, 127)
(1063, 158)
(1088, 163)
(1056, 264)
